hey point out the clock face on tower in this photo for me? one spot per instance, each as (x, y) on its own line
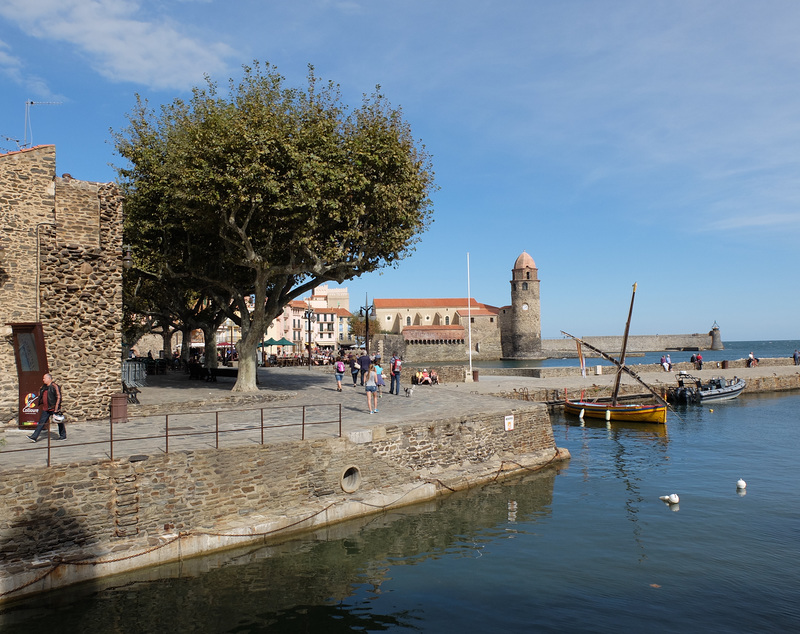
(524, 307)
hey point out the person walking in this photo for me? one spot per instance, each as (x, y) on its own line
(49, 400)
(395, 367)
(354, 369)
(379, 372)
(371, 388)
(364, 361)
(339, 371)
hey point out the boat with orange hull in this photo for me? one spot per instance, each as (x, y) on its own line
(631, 412)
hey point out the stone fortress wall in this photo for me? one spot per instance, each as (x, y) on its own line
(61, 264)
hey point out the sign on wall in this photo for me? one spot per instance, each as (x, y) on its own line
(31, 358)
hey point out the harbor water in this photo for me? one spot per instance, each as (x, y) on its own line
(733, 350)
(587, 547)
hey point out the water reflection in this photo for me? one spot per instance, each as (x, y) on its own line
(324, 581)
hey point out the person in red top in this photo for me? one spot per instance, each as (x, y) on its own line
(49, 400)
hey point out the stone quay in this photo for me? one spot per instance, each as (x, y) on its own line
(232, 474)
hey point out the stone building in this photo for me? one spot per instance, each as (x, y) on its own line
(521, 323)
(443, 329)
(61, 266)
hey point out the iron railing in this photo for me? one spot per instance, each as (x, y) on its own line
(263, 427)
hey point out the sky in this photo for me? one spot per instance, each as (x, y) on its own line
(655, 142)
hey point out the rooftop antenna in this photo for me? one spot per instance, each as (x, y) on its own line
(28, 126)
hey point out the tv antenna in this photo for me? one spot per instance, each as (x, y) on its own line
(28, 125)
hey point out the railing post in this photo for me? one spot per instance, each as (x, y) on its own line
(111, 437)
(166, 434)
(48, 441)
(303, 427)
(262, 425)
(340, 420)
(216, 432)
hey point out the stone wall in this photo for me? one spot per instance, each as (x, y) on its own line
(72, 282)
(636, 343)
(122, 512)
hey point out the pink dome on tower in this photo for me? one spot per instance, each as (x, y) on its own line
(524, 261)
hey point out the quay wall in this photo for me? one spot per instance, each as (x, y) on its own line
(72, 523)
(636, 343)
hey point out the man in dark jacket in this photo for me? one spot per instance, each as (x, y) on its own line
(363, 362)
(49, 401)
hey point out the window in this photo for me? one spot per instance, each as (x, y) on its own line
(528, 275)
(491, 319)
(408, 321)
(524, 286)
(472, 320)
(447, 320)
(388, 318)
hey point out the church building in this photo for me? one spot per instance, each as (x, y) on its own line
(447, 328)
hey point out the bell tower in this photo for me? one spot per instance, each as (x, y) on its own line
(522, 332)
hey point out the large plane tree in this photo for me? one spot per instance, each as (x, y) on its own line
(271, 190)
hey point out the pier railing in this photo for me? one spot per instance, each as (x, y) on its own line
(263, 424)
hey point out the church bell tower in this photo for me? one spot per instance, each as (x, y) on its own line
(522, 333)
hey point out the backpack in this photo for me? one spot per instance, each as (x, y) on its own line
(339, 366)
(397, 365)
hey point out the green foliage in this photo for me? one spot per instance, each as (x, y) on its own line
(271, 190)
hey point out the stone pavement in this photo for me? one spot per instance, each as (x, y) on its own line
(298, 392)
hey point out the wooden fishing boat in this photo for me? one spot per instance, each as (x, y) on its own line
(632, 412)
(629, 412)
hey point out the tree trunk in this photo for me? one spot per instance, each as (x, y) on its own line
(210, 350)
(166, 346)
(185, 341)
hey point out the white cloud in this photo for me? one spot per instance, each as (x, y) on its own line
(155, 52)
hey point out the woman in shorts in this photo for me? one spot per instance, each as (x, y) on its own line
(371, 387)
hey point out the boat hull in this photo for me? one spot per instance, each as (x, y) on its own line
(692, 390)
(633, 413)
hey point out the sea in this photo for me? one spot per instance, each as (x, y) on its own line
(733, 350)
(586, 546)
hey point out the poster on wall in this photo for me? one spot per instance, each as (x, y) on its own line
(31, 358)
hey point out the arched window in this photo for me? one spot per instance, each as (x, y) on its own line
(513, 286)
(527, 275)
(447, 320)
(524, 286)
(408, 321)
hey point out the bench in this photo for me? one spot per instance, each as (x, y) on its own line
(131, 391)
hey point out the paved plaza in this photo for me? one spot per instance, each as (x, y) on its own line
(302, 395)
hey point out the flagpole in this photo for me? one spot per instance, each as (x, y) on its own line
(469, 317)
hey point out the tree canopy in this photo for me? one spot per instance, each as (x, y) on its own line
(271, 190)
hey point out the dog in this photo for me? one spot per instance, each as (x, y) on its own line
(409, 391)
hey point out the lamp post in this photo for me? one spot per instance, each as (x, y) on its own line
(365, 311)
(309, 315)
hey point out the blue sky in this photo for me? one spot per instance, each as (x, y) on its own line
(616, 142)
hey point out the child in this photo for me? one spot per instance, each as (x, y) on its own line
(379, 372)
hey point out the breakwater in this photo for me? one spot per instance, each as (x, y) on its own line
(90, 519)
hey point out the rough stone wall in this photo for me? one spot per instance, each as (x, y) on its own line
(84, 509)
(79, 279)
(27, 210)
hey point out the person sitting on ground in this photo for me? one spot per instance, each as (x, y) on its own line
(425, 378)
(434, 378)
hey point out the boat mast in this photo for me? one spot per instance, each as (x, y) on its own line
(617, 378)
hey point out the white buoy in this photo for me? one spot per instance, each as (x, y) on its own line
(608, 414)
(583, 411)
(672, 498)
(741, 484)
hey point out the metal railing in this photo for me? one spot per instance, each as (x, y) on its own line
(263, 427)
